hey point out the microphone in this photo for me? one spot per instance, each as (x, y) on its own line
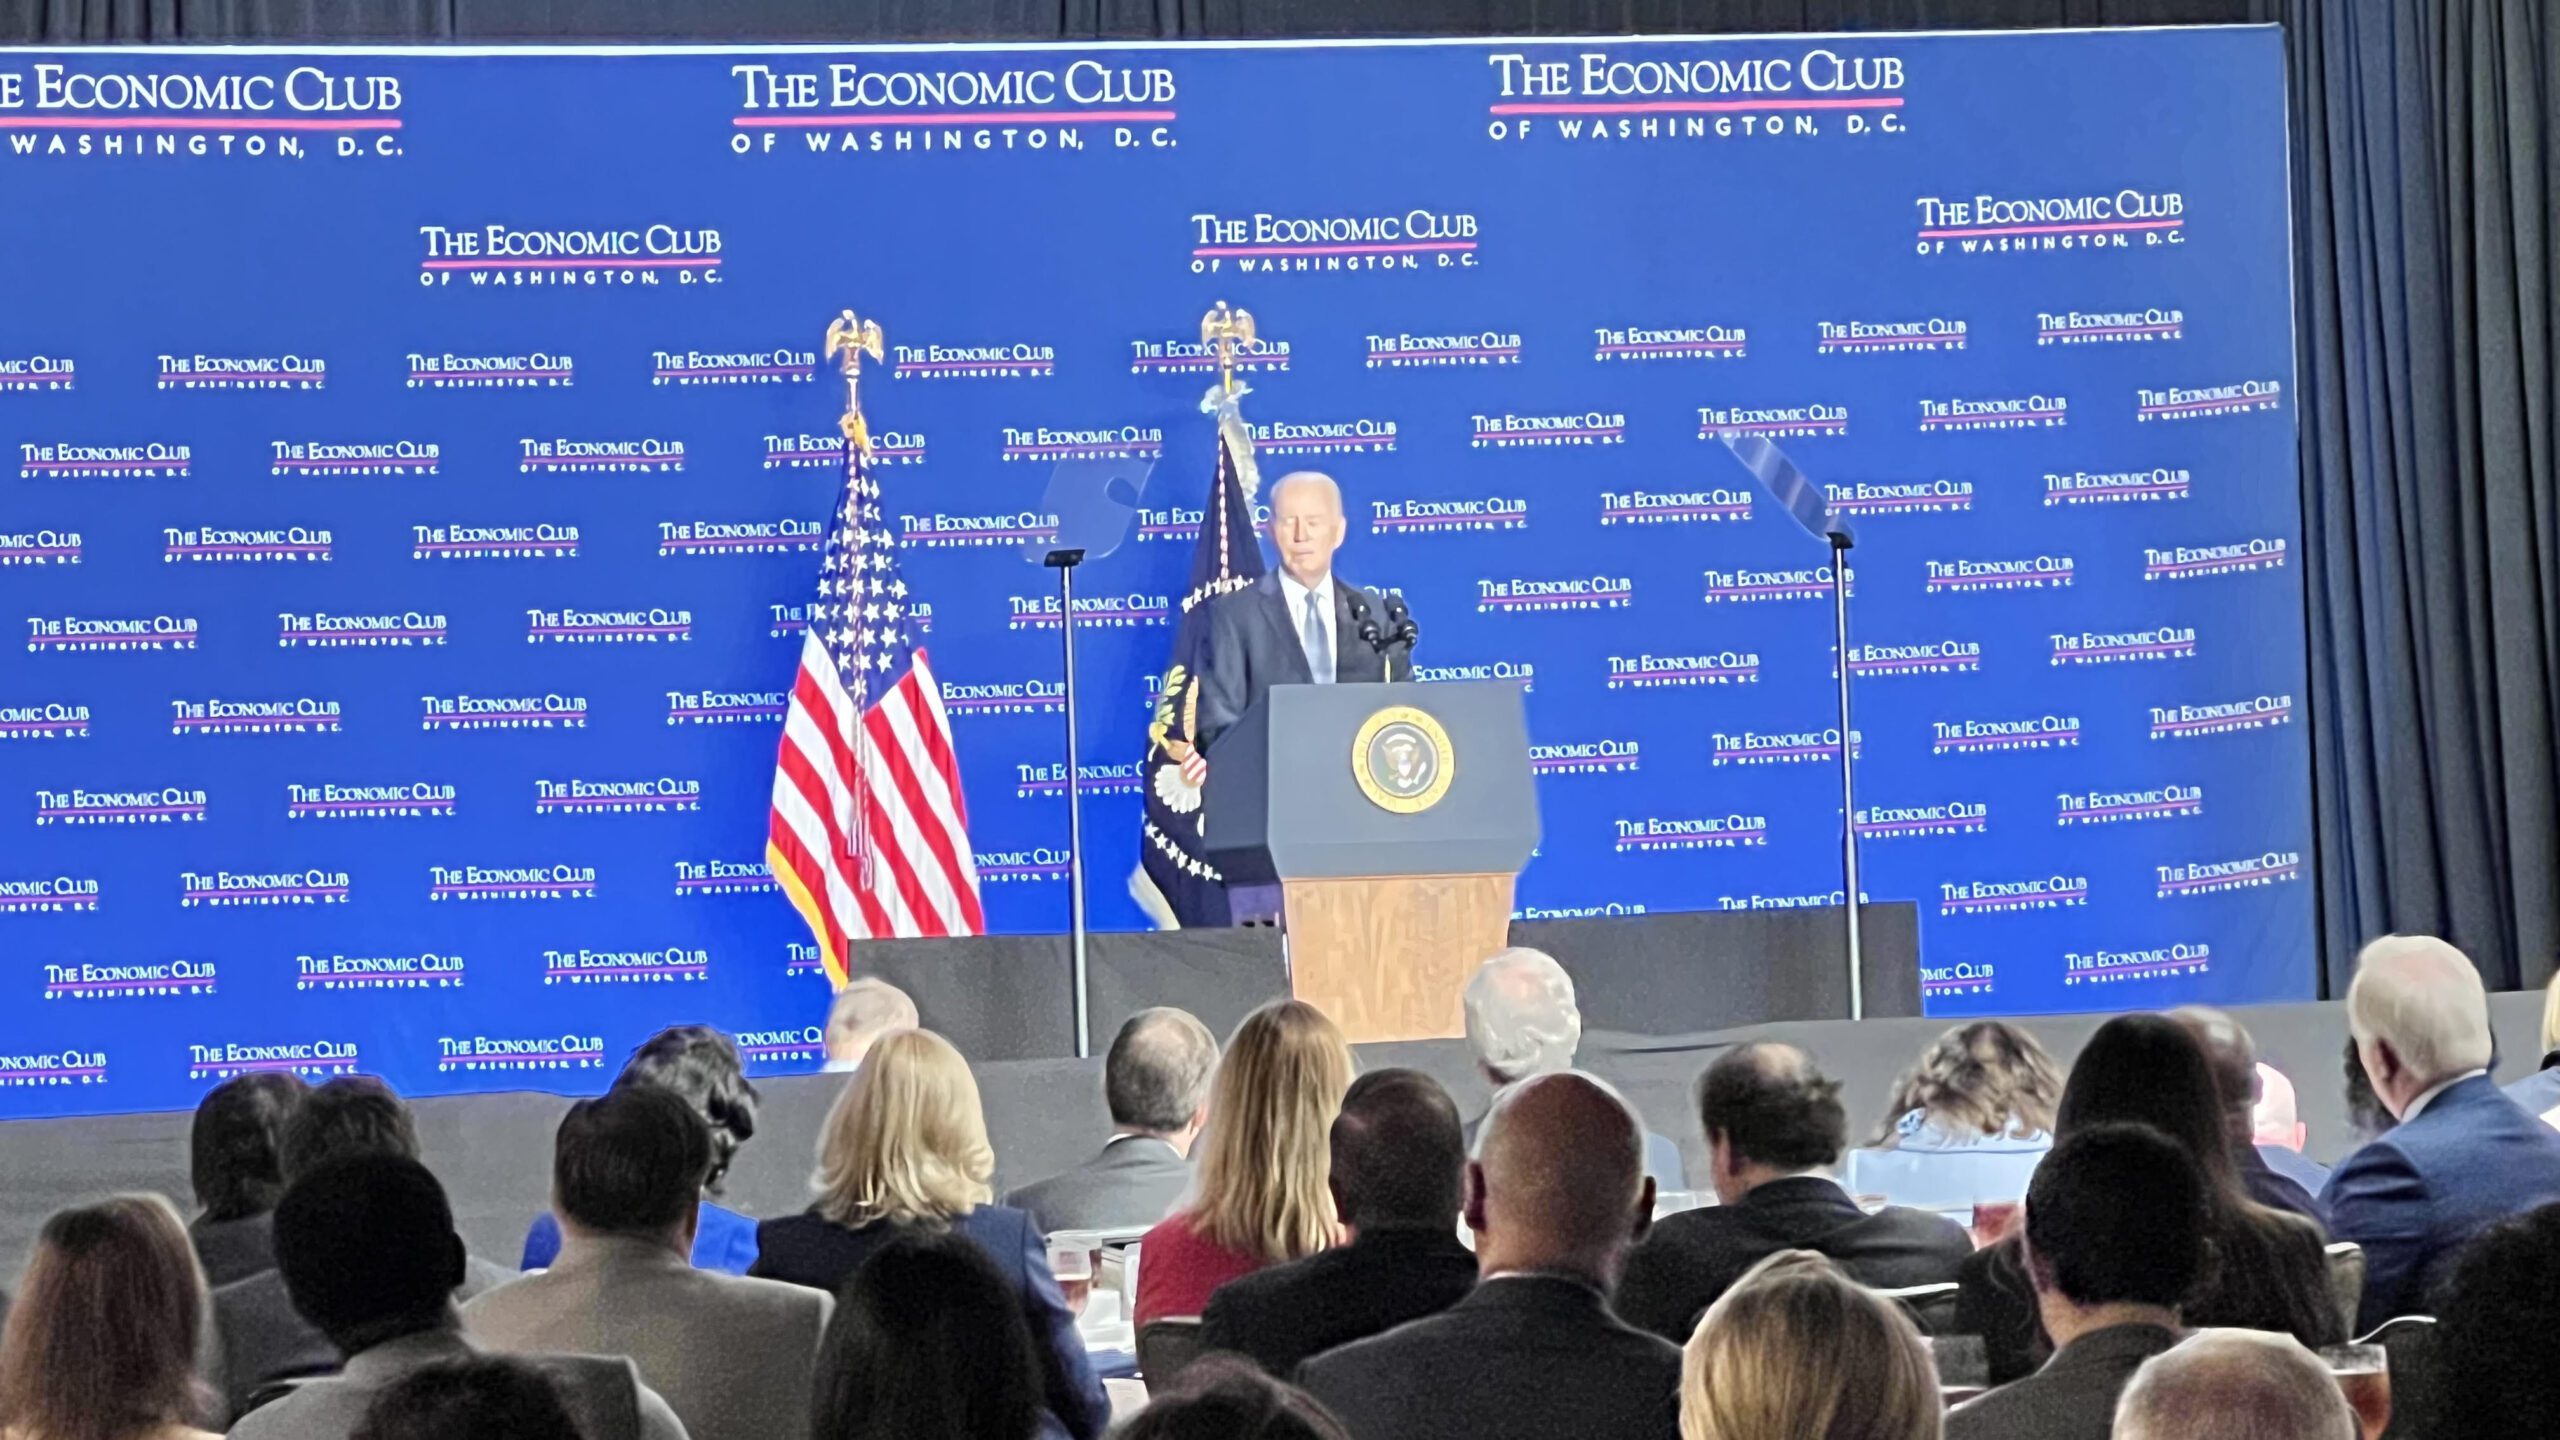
(1362, 625)
(1400, 627)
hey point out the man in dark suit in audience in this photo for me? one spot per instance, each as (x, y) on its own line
(1556, 1193)
(1398, 1166)
(2116, 1220)
(1775, 1128)
(2234, 1059)
(2463, 1155)
(1156, 1080)
(234, 1149)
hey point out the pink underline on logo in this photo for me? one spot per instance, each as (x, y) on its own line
(118, 810)
(2165, 487)
(182, 122)
(611, 799)
(40, 550)
(1808, 587)
(1552, 434)
(977, 364)
(2148, 807)
(2227, 562)
(57, 1070)
(1961, 822)
(443, 1060)
(998, 117)
(2092, 225)
(40, 724)
(1968, 740)
(126, 984)
(769, 710)
(731, 542)
(1926, 420)
(617, 457)
(2215, 721)
(314, 636)
(281, 547)
(2161, 647)
(1626, 512)
(607, 630)
(954, 536)
(704, 881)
(278, 890)
(486, 886)
(1629, 841)
(1884, 339)
(1712, 430)
(737, 370)
(2113, 329)
(2142, 968)
(1650, 346)
(107, 464)
(600, 262)
(1967, 902)
(506, 715)
(1691, 107)
(1407, 248)
(9, 902)
(2224, 402)
(487, 375)
(256, 720)
(436, 804)
(1486, 351)
(406, 461)
(1777, 750)
(467, 547)
(2195, 882)
(109, 639)
(1067, 446)
(631, 970)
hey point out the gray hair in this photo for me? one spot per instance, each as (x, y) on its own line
(2424, 998)
(2234, 1385)
(864, 1010)
(1157, 1073)
(1521, 1016)
(1316, 478)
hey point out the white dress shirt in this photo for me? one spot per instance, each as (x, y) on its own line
(2428, 1096)
(1296, 596)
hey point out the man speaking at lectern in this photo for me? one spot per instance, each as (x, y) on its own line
(1300, 624)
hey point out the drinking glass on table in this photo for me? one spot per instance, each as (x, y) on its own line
(2363, 1373)
(1071, 1264)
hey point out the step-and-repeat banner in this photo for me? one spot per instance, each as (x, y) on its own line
(414, 465)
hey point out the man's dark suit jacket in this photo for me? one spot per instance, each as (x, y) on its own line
(1380, 1280)
(1694, 1256)
(1525, 1357)
(2411, 1198)
(1135, 1182)
(1253, 645)
(2273, 1188)
(234, 1249)
(809, 1249)
(2072, 1398)
(257, 1338)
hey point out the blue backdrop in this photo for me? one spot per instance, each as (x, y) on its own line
(417, 459)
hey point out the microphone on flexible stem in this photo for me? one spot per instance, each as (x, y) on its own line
(1361, 624)
(1400, 631)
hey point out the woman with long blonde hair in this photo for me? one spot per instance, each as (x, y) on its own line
(904, 1149)
(1265, 1162)
(102, 1342)
(1797, 1350)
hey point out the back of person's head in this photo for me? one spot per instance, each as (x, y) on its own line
(1399, 1152)
(1224, 1397)
(630, 1162)
(367, 1250)
(1769, 1106)
(1156, 1076)
(1987, 1077)
(2118, 1215)
(907, 1139)
(235, 1147)
(1521, 1016)
(1558, 1181)
(2230, 1054)
(862, 1012)
(1267, 1154)
(1798, 1351)
(928, 1343)
(2423, 999)
(2150, 1070)
(2367, 1116)
(101, 1344)
(2496, 1353)
(351, 1115)
(2275, 1117)
(488, 1397)
(2240, 1385)
(702, 1067)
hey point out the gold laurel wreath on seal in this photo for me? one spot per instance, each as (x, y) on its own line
(1379, 795)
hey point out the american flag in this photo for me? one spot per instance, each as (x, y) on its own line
(869, 835)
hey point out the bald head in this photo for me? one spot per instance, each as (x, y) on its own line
(1558, 1182)
(2275, 1119)
(1521, 1016)
(2234, 1385)
(2419, 1015)
(2230, 1054)
(1306, 524)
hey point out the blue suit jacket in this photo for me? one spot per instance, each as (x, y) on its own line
(809, 1249)
(2472, 1157)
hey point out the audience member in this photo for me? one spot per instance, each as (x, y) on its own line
(101, 1344)
(732, 1356)
(2367, 1120)
(2462, 1156)
(1774, 1129)
(485, 1399)
(905, 1147)
(259, 1338)
(367, 1250)
(2539, 1092)
(2494, 1360)
(1262, 1195)
(2237, 1385)
(1398, 1169)
(1156, 1081)
(2233, 1057)
(234, 1160)
(928, 1343)
(1522, 1021)
(1556, 1194)
(2115, 1242)
(1967, 1122)
(2275, 1125)
(1221, 1397)
(1799, 1351)
(702, 1068)
(863, 1011)
(2270, 1275)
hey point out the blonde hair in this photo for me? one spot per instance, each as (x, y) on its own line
(1768, 1362)
(102, 1342)
(1267, 1154)
(1984, 1078)
(907, 1140)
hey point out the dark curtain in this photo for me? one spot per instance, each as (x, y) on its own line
(2426, 196)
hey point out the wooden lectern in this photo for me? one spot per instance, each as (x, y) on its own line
(1395, 819)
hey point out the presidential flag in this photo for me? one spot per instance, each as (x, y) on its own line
(869, 835)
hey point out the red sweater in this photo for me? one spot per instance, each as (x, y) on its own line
(1179, 1269)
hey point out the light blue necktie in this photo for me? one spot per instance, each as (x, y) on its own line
(1319, 650)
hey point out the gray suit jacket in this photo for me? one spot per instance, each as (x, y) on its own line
(735, 1357)
(1135, 1182)
(257, 1338)
(2072, 1398)
(605, 1396)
